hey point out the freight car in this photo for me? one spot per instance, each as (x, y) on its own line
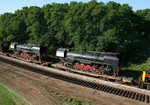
(96, 62)
(4, 46)
(29, 51)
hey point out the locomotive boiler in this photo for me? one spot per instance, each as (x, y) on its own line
(29, 51)
(96, 62)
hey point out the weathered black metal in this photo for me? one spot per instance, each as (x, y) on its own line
(110, 62)
(35, 51)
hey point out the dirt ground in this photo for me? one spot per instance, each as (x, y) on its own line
(43, 90)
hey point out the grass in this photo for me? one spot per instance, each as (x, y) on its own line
(10, 76)
(10, 97)
(130, 73)
(72, 101)
(135, 70)
(65, 99)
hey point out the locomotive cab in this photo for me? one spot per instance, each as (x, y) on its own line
(61, 52)
(13, 46)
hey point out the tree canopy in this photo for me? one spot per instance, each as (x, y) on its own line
(80, 26)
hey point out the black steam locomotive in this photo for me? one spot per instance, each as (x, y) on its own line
(29, 51)
(97, 62)
(4, 46)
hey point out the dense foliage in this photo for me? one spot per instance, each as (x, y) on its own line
(81, 26)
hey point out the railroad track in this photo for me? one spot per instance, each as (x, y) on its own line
(108, 89)
(120, 80)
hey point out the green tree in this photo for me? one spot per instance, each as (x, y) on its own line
(35, 24)
(18, 26)
(143, 22)
(5, 29)
(56, 33)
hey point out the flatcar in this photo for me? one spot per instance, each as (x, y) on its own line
(29, 51)
(95, 62)
(4, 46)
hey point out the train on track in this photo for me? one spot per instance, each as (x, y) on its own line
(29, 51)
(95, 62)
(91, 61)
(26, 51)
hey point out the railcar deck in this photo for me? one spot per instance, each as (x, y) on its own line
(124, 80)
(127, 80)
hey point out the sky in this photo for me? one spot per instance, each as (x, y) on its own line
(13, 5)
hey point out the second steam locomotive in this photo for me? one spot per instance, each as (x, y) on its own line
(97, 62)
(29, 51)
